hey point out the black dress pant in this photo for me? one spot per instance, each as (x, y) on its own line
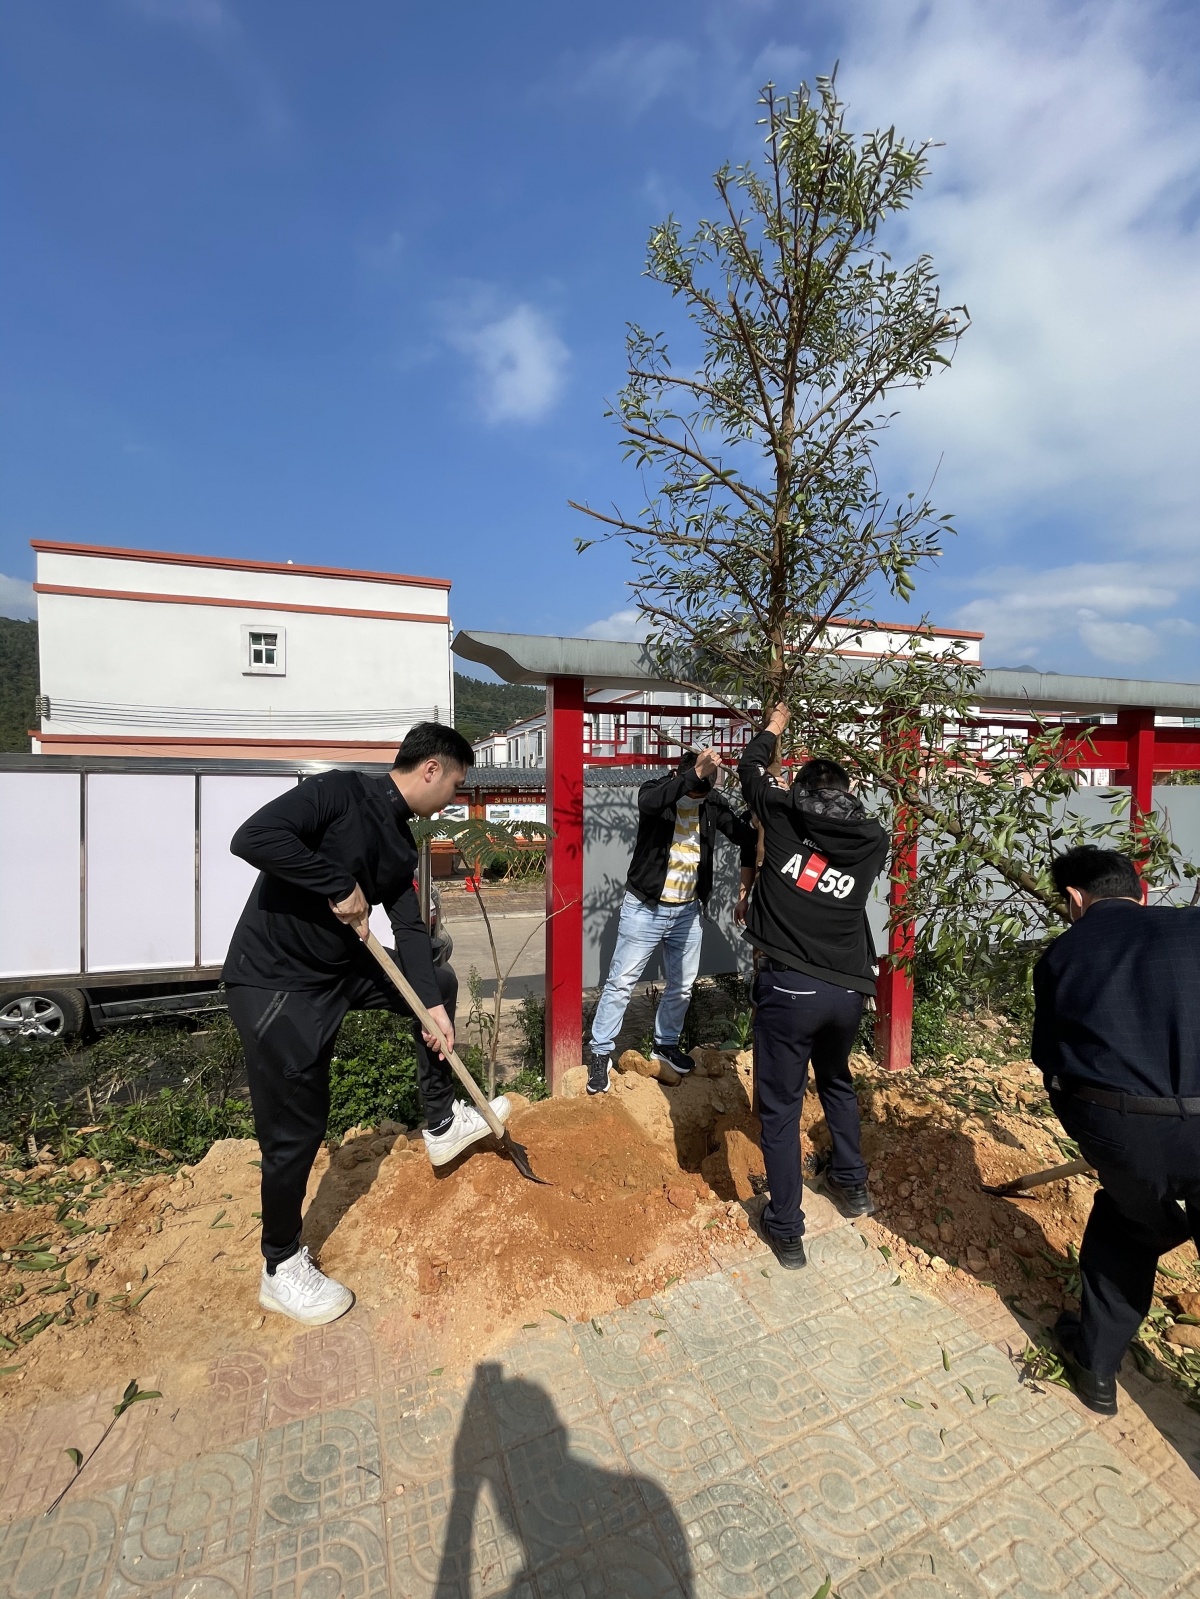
(1149, 1203)
(799, 1019)
(288, 1038)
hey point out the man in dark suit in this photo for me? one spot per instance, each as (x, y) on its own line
(1117, 1034)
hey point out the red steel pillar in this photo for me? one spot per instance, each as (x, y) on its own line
(894, 990)
(894, 999)
(1136, 726)
(564, 877)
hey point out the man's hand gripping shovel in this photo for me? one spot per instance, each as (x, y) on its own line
(508, 1147)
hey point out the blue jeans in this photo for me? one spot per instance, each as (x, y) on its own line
(642, 929)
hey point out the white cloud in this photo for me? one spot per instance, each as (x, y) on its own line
(519, 360)
(16, 598)
(1062, 211)
(1119, 611)
(628, 625)
(202, 15)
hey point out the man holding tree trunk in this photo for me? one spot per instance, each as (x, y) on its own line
(807, 918)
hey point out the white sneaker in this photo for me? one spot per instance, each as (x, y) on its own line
(467, 1128)
(302, 1292)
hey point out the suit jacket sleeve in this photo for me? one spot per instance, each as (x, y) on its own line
(1044, 1048)
(283, 838)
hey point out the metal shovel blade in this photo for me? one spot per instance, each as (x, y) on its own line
(516, 1153)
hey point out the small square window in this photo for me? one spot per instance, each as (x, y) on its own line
(264, 651)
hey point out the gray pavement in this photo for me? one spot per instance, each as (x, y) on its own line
(750, 1433)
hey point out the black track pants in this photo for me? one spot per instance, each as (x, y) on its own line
(799, 1019)
(1149, 1203)
(287, 1038)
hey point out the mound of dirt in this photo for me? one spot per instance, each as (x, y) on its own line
(165, 1275)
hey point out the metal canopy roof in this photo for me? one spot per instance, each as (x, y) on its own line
(602, 663)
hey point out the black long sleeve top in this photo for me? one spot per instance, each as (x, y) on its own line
(821, 854)
(1117, 1000)
(312, 845)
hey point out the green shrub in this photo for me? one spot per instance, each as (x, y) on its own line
(373, 1074)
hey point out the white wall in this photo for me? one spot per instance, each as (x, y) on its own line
(145, 653)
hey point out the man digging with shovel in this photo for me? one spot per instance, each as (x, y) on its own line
(328, 850)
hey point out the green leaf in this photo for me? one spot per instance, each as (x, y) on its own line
(216, 1218)
(557, 1314)
(7, 1371)
(669, 1282)
(599, 1330)
(527, 1326)
(38, 1262)
(823, 1591)
(142, 1393)
(912, 1404)
(945, 1360)
(437, 1371)
(76, 1456)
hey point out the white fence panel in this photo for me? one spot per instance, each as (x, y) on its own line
(141, 866)
(226, 881)
(39, 873)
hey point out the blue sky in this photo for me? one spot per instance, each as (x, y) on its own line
(347, 284)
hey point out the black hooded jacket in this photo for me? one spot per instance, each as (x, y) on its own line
(821, 854)
(656, 829)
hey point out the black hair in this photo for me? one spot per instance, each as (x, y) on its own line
(1102, 873)
(822, 774)
(429, 741)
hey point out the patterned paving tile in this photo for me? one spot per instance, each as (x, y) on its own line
(845, 1508)
(64, 1556)
(918, 1327)
(638, 1347)
(1019, 1549)
(38, 1467)
(924, 1569)
(848, 1262)
(764, 1397)
(634, 1566)
(572, 1493)
(329, 1366)
(848, 1359)
(709, 1316)
(1126, 1519)
(779, 1298)
(325, 1465)
(739, 1545)
(181, 1522)
(343, 1558)
(539, 1382)
(1010, 1418)
(934, 1456)
(429, 1425)
(456, 1536)
(673, 1434)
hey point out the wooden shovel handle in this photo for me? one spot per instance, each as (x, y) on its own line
(427, 1022)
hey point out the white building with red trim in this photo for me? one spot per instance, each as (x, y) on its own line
(148, 653)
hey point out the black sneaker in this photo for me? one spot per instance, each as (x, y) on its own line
(599, 1069)
(789, 1252)
(1097, 1393)
(674, 1057)
(852, 1199)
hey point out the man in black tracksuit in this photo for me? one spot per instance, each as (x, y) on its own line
(1116, 1032)
(327, 850)
(807, 917)
(670, 879)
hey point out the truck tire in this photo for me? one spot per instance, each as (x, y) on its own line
(44, 1014)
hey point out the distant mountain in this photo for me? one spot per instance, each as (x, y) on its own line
(483, 708)
(18, 683)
